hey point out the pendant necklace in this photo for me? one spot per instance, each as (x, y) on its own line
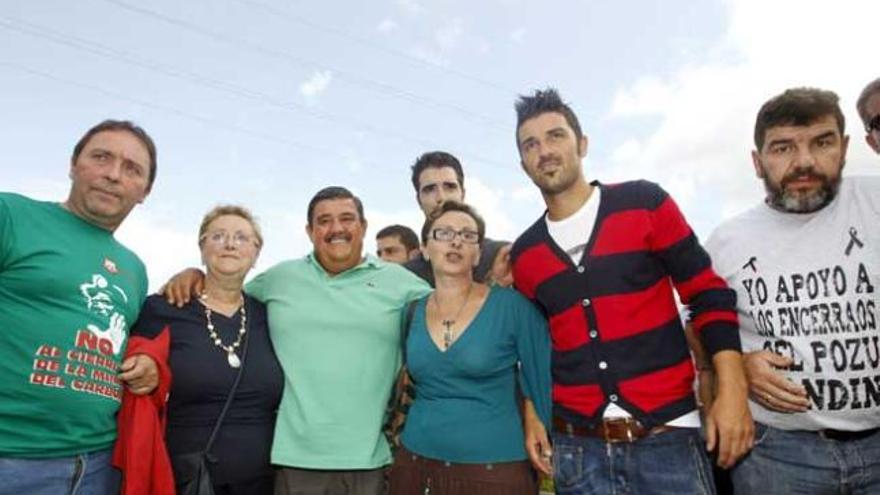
(448, 322)
(231, 356)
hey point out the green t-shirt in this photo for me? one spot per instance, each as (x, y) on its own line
(68, 294)
(338, 340)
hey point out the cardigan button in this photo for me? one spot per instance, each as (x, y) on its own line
(580, 268)
(603, 365)
(612, 397)
(593, 334)
(585, 302)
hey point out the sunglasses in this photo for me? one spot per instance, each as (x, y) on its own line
(873, 124)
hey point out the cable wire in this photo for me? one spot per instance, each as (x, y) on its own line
(81, 44)
(351, 78)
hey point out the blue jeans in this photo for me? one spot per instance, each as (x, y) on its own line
(673, 463)
(84, 474)
(803, 462)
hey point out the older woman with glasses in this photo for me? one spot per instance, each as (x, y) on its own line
(207, 337)
(465, 349)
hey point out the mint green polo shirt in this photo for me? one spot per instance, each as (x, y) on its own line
(338, 341)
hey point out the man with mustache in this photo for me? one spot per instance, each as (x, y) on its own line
(868, 106)
(334, 319)
(603, 263)
(69, 292)
(806, 267)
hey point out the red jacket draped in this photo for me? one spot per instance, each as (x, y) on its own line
(140, 447)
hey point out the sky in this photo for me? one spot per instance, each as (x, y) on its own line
(263, 102)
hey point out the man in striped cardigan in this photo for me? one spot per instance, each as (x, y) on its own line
(602, 264)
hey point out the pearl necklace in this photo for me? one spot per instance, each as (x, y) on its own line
(448, 322)
(231, 357)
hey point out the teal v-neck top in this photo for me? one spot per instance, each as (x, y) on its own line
(465, 408)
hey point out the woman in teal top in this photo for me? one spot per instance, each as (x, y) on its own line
(467, 346)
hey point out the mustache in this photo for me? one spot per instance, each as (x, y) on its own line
(340, 236)
(549, 159)
(809, 173)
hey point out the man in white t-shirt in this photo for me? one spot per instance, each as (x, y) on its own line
(806, 268)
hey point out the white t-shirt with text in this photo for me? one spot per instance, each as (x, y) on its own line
(807, 288)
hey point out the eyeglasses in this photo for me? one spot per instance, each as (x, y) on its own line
(873, 124)
(221, 238)
(447, 235)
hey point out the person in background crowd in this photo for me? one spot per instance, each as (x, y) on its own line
(868, 106)
(438, 177)
(397, 244)
(499, 273)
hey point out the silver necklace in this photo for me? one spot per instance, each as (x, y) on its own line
(231, 356)
(448, 322)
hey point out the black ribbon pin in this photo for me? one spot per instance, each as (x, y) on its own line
(853, 241)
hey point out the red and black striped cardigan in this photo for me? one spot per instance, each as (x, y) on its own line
(613, 318)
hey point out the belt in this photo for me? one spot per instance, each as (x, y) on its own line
(611, 430)
(846, 436)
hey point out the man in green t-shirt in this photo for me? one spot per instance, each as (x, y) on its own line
(68, 293)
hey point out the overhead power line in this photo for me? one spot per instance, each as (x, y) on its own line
(168, 109)
(105, 51)
(214, 123)
(365, 41)
(349, 77)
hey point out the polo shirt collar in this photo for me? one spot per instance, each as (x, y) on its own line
(368, 262)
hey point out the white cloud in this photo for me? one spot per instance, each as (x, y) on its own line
(163, 249)
(410, 6)
(353, 161)
(386, 25)
(699, 150)
(444, 41)
(492, 203)
(528, 193)
(429, 54)
(627, 152)
(483, 47)
(447, 36)
(316, 85)
(285, 235)
(518, 35)
(648, 95)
